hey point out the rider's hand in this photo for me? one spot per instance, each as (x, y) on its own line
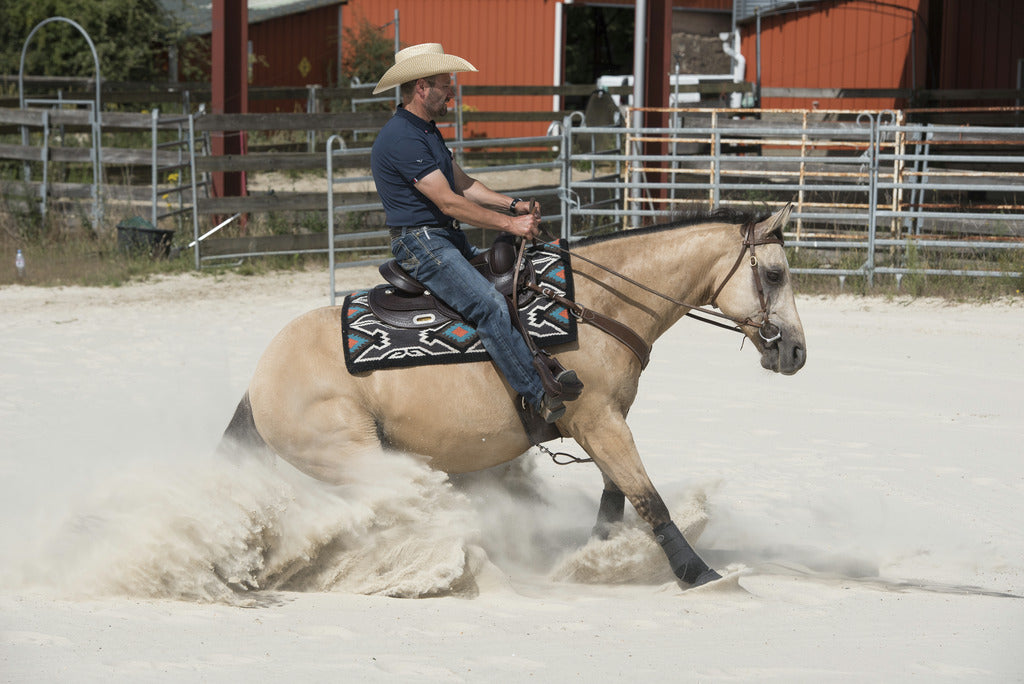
(526, 225)
(531, 207)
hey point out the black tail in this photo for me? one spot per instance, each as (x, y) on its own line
(241, 438)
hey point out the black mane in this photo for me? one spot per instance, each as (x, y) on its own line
(720, 215)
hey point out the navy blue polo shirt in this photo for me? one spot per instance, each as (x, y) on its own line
(407, 149)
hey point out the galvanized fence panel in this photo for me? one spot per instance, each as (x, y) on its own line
(873, 194)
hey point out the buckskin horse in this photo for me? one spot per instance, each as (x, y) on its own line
(307, 408)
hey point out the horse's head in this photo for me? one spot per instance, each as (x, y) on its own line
(758, 290)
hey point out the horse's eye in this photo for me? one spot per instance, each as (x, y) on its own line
(774, 275)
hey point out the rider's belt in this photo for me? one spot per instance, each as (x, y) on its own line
(399, 231)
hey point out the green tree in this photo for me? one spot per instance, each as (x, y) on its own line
(131, 37)
(368, 52)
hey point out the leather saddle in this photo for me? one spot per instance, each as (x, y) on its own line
(404, 302)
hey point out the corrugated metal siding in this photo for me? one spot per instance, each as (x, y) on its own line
(981, 43)
(511, 42)
(282, 45)
(839, 44)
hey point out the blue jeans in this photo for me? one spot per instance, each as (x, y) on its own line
(439, 258)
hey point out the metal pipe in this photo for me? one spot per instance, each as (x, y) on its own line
(43, 189)
(739, 63)
(195, 191)
(639, 64)
(639, 54)
(213, 230)
(757, 94)
(559, 48)
(398, 46)
(96, 120)
(154, 176)
(330, 210)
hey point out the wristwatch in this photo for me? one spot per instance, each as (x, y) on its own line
(512, 207)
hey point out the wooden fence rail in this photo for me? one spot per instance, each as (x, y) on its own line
(14, 153)
(153, 93)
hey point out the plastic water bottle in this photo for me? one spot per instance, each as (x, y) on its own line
(19, 265)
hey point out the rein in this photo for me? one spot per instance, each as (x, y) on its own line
(768, 331)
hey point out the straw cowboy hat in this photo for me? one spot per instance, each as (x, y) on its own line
(420, 61)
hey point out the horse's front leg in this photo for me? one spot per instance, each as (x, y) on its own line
(610, 443)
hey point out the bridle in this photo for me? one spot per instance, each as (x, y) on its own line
(767, 331)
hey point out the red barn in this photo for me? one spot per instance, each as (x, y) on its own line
(842, 44)
(515, 42)
(294, 44)
(891, 44)
(512, 42)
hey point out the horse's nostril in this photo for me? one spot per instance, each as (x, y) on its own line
(799, 354)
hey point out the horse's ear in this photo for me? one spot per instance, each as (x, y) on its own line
(774, 224)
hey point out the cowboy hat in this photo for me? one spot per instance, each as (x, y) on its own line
(420, 61)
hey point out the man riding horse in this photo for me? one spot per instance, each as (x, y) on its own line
(426, 195)
(306, 406)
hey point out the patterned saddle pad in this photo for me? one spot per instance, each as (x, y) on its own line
(373, 344)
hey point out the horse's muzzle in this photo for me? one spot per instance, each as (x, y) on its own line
(780, 353)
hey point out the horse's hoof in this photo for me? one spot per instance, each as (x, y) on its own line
(708, 575)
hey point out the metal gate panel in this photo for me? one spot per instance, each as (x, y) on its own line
(862, 182)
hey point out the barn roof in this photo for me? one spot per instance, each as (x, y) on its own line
(197, 14)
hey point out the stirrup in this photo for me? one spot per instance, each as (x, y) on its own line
(551, 409)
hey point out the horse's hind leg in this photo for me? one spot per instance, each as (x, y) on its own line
(241, 439)
(611, 509)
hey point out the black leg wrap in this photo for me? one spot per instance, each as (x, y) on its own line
(613, 504)
(685, 562)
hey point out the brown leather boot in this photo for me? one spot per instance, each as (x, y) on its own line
(571, 386)
(551, 408)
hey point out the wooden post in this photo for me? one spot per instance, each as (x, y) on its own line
(657, 85)
(230, 86)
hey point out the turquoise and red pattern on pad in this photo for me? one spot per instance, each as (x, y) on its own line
(371, 344)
